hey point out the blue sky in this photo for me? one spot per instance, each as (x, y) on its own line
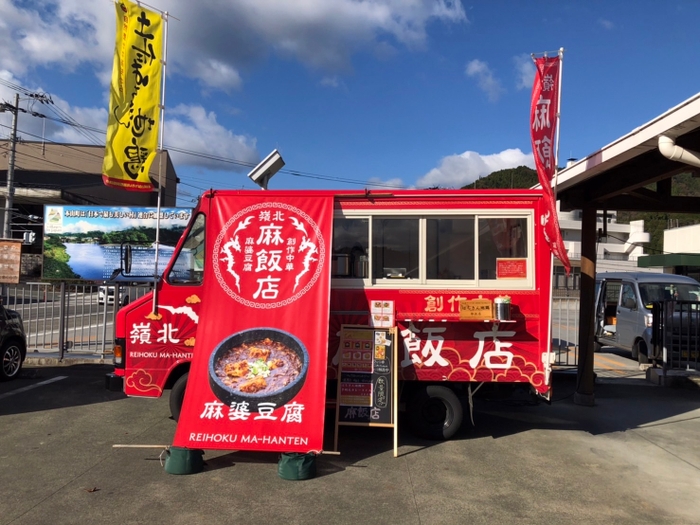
(355, 93)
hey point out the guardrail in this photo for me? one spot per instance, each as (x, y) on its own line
(65, 317)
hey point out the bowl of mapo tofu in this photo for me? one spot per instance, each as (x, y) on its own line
(260, 365)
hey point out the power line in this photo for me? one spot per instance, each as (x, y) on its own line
(67, 120)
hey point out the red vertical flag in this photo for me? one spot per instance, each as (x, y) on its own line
(544, 110)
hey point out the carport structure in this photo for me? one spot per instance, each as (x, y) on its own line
(633, 173)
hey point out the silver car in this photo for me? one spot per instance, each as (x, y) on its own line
(624, 307)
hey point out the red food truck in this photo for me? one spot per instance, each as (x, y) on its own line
(458, 281)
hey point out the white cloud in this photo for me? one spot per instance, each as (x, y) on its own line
(213, 44)
(456, 171)
(524, 71)
(32, 128)
(80, 227)
(192, 128)
(606, 24)
(485, 79)
(332, 81)
(63, 34)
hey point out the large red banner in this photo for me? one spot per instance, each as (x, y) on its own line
(544, 109)
(258, 377)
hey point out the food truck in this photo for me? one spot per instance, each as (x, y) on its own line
(282, 303)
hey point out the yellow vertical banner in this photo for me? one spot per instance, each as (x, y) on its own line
(134, 104)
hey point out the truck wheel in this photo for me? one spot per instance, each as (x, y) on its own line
(642, 356)
(177, 394)
(435, 413)
(597, 347)
(10, 361)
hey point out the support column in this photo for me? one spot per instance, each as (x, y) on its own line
(585, 378)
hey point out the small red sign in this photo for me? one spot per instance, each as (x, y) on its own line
(511, 268)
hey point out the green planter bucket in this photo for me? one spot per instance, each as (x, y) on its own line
(183, 460)
(295, 466)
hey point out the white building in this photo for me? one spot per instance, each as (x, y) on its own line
(619, 246)
(681, 252)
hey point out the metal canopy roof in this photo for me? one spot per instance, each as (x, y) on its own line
(614, 178)
(669, 259)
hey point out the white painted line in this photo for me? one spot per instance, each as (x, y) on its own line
(24, 389)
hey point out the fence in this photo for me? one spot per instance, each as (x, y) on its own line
(65, 317)
(565, 325)
(676, 334)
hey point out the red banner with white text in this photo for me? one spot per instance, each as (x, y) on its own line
(544, 109)
(258, 377)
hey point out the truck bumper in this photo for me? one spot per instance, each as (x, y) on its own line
(114, 383)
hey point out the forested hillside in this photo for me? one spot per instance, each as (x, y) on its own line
(520, 177)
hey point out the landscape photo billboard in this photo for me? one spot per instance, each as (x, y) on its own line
(85, 242)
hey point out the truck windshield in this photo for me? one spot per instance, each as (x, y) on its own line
(189, 265)
(651, 292)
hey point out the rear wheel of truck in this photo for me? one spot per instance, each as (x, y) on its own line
(597, 347)
(177, 394)
(434, 412)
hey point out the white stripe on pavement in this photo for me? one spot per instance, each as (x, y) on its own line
(24, 389)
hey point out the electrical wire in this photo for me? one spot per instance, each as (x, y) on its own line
(64, 118)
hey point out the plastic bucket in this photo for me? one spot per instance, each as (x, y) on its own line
(296, 466)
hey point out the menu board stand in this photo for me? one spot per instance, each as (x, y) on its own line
(367, 379)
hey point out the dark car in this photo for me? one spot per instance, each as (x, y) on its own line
(13, 344)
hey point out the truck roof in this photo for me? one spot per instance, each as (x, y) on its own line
(389, 192)
(647, 277)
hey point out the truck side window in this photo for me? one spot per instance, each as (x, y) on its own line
(500, 238)
(395, 248)
(350, 258)
(450, 248)
(628, 297)
(189, 265)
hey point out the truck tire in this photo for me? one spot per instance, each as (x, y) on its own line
(177, 394)
(640, 348)
(597, 347)
(434, 412)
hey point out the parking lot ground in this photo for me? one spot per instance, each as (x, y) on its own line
(632, 458)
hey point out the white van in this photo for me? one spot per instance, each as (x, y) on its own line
(106, 293)
(623, 307)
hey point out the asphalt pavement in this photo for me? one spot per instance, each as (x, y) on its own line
(633, 458)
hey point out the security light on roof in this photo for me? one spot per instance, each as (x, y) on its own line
(263, 172)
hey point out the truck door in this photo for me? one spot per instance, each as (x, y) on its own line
(606, 312)
(630, 321)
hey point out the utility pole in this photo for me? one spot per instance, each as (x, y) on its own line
(7, 217)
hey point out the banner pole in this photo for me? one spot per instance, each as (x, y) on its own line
(164, 62)
(556, 149)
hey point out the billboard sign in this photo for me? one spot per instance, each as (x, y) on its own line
(84, 242)
(10, 260)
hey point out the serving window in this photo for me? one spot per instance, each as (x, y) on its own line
(436, 249)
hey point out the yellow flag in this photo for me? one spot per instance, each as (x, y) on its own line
(134, 104)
